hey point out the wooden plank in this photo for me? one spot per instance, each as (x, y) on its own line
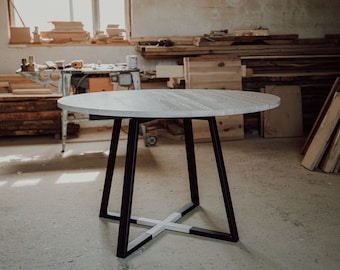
(31, 91)
(28, 106)
(238, 50)
(177, 40)
(11, 97)
(13, 78)
(335, 88)
(333, 154)
(286, 120)
(31, 115)
(4, 84)
(25, 85)
(320, 141)
(30, 124)
(213, 73)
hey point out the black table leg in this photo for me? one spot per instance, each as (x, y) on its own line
(191, 160)
(223, 179)
(129, 177)
(110, 167)
(125, 247)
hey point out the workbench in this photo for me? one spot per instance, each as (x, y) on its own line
(118, 73)
(61, 81)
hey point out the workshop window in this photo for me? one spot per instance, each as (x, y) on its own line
(95, 15)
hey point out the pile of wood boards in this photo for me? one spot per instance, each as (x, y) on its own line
(267, 61)
(239, 39)
(314, 74)
(114, 34)
(238, 46)
(322, 147)
(66, 31)
(26, 108)
(15, 84)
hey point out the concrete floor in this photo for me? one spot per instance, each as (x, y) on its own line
(287, 217)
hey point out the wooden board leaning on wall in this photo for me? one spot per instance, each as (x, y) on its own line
(322, 147)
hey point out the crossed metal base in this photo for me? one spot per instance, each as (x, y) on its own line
(125, 247)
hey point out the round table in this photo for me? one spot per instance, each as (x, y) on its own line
(141, 106)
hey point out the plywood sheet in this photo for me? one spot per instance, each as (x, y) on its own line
(287, 119)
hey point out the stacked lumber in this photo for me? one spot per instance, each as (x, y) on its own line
(26, 108)
(113, 35)
(269, 60)
(65, 31)
(215, 73)
(28, 88)
(314, 74)
(241, 46)
(322, 147)
(239, 39)
(155, 41)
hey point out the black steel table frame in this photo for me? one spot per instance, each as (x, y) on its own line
(125, 247)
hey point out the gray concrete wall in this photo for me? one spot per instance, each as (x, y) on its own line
(308, 18)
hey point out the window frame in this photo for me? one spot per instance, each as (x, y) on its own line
(95, 22)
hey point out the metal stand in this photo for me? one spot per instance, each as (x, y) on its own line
(125, 247)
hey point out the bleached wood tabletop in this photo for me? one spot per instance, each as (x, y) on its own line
(168, 103)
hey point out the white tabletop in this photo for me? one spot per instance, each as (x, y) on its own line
(169, 103)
